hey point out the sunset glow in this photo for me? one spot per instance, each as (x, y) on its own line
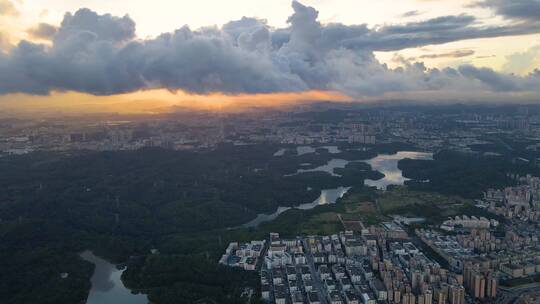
(120, 56)
(157, 102)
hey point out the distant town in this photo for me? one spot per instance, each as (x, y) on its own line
(431, 129)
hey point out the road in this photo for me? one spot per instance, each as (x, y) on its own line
(317, 283)
(341, 221)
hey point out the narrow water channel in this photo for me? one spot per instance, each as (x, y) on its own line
(107, 286)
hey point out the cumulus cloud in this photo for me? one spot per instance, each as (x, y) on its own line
(102, 27)
(522, 62)
(100, 54)
(43, 31)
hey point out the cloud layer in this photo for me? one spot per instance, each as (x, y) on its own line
(528, 10)
(100, 54)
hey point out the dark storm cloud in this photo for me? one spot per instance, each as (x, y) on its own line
(528, 10)
(99, 54)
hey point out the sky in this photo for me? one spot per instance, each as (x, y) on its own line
(58, 52)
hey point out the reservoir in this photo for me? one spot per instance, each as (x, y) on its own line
(387, 164)
(328, 196)
(107, 287)
(329, 167)
(384, 163)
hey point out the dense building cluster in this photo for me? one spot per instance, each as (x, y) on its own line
(245, 256)
(469, 222)
(484, 258)
(352, 268)
(519, 202)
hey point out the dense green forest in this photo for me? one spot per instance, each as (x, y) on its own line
(122, 204)
(465, 174)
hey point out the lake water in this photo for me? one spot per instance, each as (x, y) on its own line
(280, 152)
(329, 167)
(301, 150)
(107, 287)
(388, 165)
(328, 196)
(384, 163)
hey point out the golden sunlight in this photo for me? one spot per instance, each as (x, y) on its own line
(157, 101)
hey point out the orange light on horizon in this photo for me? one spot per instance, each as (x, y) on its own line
(159, 101)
